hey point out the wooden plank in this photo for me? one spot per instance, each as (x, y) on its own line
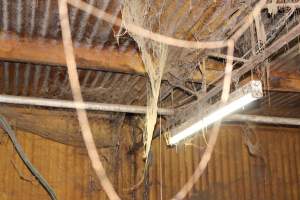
(287, 82)
(50, 52)
(280, 81)
(285, 75)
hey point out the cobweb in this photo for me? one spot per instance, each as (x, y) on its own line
(154, 56)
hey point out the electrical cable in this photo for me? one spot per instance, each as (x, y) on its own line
(6, 127)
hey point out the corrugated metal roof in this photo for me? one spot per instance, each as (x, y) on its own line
(52, 82)
(232, 173)
(39, 18)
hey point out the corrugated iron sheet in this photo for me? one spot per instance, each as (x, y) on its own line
(52, 82)
(267, 170)
(40, 18)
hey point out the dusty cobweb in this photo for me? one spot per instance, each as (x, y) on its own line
(154, 56)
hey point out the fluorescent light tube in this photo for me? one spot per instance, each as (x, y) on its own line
(243, 96)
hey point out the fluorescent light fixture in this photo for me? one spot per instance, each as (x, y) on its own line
(239, 98)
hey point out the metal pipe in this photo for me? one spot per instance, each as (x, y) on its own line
(135, 109)
(86, 105)
(263, 119)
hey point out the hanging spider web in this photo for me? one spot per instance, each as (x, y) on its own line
(154, 56)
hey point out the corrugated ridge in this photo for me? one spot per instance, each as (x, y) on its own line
(272, 173)
(52, 82)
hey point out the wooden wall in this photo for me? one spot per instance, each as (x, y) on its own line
(66, 168)
(271, 172)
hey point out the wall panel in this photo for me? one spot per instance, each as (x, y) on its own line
(267, 169)
(66, 168)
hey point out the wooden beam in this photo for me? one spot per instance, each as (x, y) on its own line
(59, 125)
(280, 81)
(285, 74)
(255, 60)
(211, 75)
(50, 52)
(286, 82)
(285, 85)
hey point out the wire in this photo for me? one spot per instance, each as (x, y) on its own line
(6, 127)
(160, 160)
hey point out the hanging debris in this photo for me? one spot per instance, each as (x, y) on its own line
(273, 8)
(154, 57)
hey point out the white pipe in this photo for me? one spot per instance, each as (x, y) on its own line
(263, 119)
(86, 105)
(136, 109)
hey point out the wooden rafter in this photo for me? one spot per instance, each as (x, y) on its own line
(256, 60)
(64, 126)
(50, 52)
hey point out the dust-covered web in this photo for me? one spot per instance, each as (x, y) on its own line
(154, 57)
